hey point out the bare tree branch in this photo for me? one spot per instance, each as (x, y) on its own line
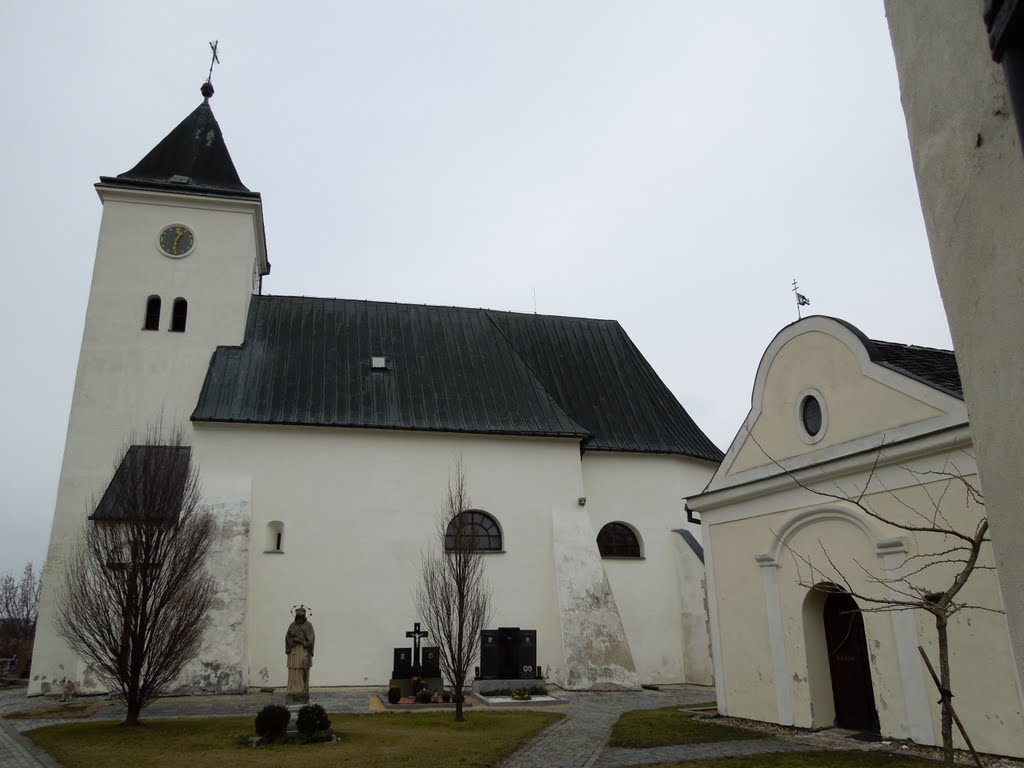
(19, 609)
(136, 592)
(452, 597)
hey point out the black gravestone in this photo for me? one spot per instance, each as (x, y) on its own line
(431, 662)
(489, 654)
(403, 664)
(527, 656)
(508, 647)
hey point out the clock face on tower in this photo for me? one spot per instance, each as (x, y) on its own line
(177, 240)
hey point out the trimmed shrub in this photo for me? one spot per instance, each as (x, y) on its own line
(394, 694)
(423, 696)
(272, 721)
(446, 696)
(312, 718)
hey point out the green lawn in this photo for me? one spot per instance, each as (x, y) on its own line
(665, 727)
(426, 740)
(805, 760)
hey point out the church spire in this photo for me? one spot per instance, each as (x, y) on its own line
(191, 158)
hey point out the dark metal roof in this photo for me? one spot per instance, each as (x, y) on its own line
(307, 361)
(599, 376)
(935, 367)
(147, 475)
(191, 158)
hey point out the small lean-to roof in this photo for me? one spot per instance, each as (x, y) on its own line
(191, 158)
(146, 474)
(307, 361)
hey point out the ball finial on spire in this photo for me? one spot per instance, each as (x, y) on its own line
(206, 89)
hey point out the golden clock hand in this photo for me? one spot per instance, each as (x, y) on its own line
(174, 248)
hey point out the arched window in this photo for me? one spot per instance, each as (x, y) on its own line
(178, 315)
(275, 536)
(618, 540)
(475, 530)
(152, 321)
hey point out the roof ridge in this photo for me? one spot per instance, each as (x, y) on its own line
(913, 346)
(437, 306)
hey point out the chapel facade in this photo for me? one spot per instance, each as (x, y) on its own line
(829, 511)
(325, 432)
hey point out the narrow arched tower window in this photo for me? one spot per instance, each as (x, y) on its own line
(275, 537)
(178, 315)
(152, 321)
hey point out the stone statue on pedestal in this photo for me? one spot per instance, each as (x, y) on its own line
(298, 644)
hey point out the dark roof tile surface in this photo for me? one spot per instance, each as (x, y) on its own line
(935, 367)
(307, 361)
(191, 158)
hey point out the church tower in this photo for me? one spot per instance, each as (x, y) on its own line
(181, 251)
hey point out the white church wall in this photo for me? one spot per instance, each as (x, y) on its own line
(222, 664)
(358, 508)
(698, 667)
(128, 378)
(664, 618)
(596, 652)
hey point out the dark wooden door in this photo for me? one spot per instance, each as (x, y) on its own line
(848, 664)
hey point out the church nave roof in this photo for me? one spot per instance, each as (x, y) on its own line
(308, 361)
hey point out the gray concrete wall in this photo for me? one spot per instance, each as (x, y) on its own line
(970, 175)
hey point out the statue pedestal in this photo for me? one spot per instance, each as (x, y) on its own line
(293, 721)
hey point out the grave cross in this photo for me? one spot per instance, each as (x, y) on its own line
(416, 634)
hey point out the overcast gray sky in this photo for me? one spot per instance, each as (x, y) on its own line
(672, 165)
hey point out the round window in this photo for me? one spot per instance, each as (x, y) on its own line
(810, 415)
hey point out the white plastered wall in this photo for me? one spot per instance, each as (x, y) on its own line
(358, 508)
(970, 176)
(660, 598)
(128, 378)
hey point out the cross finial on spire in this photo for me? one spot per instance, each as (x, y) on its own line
(207, 89)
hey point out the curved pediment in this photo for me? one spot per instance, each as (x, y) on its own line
(823, 390)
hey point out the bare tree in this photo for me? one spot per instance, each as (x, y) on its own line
(452, 597)
(19, 608)
(136, 592)
(930, 580)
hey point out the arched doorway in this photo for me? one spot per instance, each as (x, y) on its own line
(848, 663)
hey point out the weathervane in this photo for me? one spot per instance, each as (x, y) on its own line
(207, 89)
(801, 300)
